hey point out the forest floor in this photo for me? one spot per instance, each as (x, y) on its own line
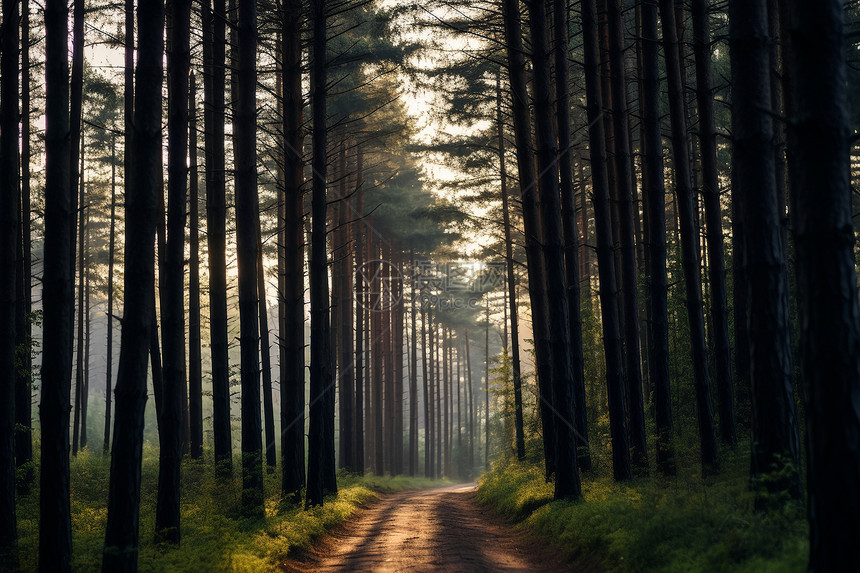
(438, 529)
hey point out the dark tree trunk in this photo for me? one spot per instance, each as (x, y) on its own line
(265, 359)
(775, 449)
(9, 291)
(265, 350)
(121, 537)
(689, 238)
(654, 192)
(428, 453)
(216, 221)
(292, 325)
(439, 428)
(629, 276)
(714, 220)
(24, 329)
(79, 349)
(413, 378)
(605, 262)
(345, 322)
(247, 218)
(567, 483)
(321, 462)
(110, 289)
(819, 139)
(571, 235)
(397, 333)
(195, 367)
(55, 528)
(487, 389)
(377, 356)
(512, 285)
(531, 221)
(85, 394)
(471, 389)
(75, 154)
(446, 401)
(172, 288)
(360, 377)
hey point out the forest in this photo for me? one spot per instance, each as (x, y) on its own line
(324, 285)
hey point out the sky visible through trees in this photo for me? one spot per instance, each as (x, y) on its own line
(263, 253)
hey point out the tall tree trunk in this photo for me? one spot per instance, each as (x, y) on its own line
(487, 388)
(195, 359)
(216, 222)
(819, 139)
(85, 393)
(247, 218)
(654, 191)
(398, 332)
(75, 127)
(471, 390)
(321, 463)
(172, 284)
(714, 220)
(605, 259)
(531, 221)
(689, 238)
(265, 352)
(293, 326)
(345, 322)
(446, 401)
(413, 378)
(512, 284)
(265, 349)
(775, 449)
(121, 537)
(79, 349)
(428, 453)
(9, 283)
(360, 377)
(110, 289)
(571, 235)
(24, 329)
(629, 276)
(55, 528)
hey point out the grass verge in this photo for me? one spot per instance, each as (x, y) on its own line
(684, 523)
(215, 535)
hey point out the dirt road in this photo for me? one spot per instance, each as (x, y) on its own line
(440, 529)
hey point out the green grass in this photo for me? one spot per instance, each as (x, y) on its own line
(655, 524)
(215, 535)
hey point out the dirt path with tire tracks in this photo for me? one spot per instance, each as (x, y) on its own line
(440, 529)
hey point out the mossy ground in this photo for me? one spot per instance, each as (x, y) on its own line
(685, 523)
(215, 535)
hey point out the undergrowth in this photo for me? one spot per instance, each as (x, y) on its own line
(685, 523)
(215, 534)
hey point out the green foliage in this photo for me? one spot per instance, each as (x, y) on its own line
(655, 524)
(216, 536)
